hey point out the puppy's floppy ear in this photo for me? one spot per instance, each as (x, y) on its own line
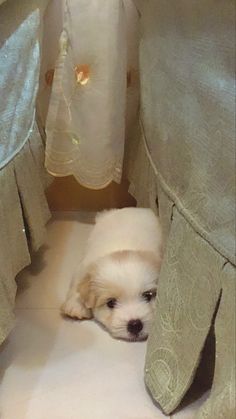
(86, 291)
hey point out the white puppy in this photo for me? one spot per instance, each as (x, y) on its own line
(117, 279)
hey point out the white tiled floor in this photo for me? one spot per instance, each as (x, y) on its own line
(61, 369)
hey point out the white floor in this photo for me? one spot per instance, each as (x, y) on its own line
(64, 369)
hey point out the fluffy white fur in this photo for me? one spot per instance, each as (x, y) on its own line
(118, 274)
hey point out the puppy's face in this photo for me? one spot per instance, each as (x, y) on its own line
(120, 289)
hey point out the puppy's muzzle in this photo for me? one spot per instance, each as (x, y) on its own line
(134, 327)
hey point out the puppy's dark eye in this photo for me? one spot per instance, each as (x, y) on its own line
(149, 295)
(111, 303)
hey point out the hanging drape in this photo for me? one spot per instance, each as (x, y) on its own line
(95, 91)
(24, 210)
(184, 147)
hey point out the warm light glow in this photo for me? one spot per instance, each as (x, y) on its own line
(82, 74)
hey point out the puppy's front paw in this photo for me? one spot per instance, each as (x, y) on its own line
(75, 309)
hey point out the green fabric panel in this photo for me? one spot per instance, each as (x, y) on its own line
(187, 64)
(221, 403)
(31, 189)
(143, 185)
(188, 291)
(23, 209)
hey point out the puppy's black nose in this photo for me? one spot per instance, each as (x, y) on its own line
(135, 326)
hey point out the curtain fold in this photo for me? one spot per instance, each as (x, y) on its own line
(23, 207)
(23, 216)
(19, 73)
(186, 146)
(94, 95)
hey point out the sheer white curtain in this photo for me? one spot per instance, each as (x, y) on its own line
(94, 95)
